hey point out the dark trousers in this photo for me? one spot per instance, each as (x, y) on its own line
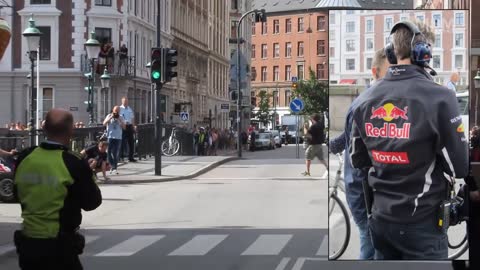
(414, 241)
(49, 254)
(127, 138)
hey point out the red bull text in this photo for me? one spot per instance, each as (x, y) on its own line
(389, 130)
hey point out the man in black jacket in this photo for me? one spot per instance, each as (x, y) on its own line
(53, 185)
(408, 132)
(315, 137)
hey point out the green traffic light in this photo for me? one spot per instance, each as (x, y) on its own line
(156, 75)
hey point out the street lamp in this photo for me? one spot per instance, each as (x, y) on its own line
(476, 81)
(32, 35)
(92, 46)
(105, 79)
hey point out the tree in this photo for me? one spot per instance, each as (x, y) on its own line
(314, 94)
(263, 113)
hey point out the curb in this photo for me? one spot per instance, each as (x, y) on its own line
(169, 179)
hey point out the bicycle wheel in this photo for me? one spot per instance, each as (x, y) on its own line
(457, 241)
(338, 228)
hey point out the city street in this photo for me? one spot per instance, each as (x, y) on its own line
(353, 249)
(255, 213)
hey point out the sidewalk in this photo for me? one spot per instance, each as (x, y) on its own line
(173, 168)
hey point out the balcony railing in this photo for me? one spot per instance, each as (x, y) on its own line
(118, 68)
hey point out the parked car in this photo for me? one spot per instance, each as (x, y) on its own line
(276, 138)
(264, 140)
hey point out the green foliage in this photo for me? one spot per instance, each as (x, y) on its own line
(263, 114)
(314, 94)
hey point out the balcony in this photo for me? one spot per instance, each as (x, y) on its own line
(125, 70)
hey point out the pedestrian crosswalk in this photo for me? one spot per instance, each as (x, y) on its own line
(207, 244)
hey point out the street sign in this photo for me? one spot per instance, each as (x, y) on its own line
(224, 107)
(294, 79)
(297, 105)
(184, 116)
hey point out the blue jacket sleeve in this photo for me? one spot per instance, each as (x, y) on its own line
(337, 144)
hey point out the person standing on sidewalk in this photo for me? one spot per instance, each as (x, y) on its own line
(315, 137)
(127, 138)
(115, 125)
(53, 185)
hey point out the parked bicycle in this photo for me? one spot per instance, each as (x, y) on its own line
(171, 146)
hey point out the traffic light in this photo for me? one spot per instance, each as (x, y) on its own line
(294, 85)
(170, 61)
(89, 106)
(156, 65)
(261, 16)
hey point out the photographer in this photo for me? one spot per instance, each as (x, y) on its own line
(97, 158)
(115, 125)
(408, 132)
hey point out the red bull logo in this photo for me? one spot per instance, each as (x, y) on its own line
(389, 112)
(390, 157)
(389, 130)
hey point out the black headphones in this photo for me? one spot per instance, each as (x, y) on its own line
(421, 52)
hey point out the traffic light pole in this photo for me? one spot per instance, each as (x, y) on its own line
(158, 122)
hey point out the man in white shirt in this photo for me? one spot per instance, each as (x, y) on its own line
(452, 84)
(129, 116)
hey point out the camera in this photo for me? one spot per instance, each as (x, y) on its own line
(116, 115)
(454, 210)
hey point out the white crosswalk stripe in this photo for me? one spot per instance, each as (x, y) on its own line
(131, 245)
(268, 244)
(322, 251)
(6, 249)
(199, 245)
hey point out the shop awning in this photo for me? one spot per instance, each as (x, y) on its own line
(348, 81)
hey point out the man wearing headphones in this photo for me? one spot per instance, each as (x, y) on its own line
(408, 132)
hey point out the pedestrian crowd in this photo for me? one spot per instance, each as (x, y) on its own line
(208, 140)
(16, 126)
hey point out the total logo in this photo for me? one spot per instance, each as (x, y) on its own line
(390, 157)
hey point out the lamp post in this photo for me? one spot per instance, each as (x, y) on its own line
(92, 46)
(476, 81)
(32, 35)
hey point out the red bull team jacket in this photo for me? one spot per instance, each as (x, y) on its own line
(408, 132)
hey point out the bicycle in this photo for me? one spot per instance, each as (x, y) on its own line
(457, 249)
(171, 146)
(343, 217)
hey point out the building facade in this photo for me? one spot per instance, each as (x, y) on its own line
(291, 42)
(356, 35)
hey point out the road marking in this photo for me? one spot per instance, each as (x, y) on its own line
(199, 245)
(283, 263)
(323, 250)
(301, 261)
(90, 238)
(6, 249)
(268, 244)
(130, 246)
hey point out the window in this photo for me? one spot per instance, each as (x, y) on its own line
(47, 101)
(438, 41)
(300, 49)
(331, 68)
(40, 2)
(421, 18)
(388, 39)
(350, 64)
(276, 26)
(288, 73)
(320, 71)
(107, 3)
(459, 19)
(321, 23)
(276, 50)
(320, 47)
(288, 97)
(459, 40)
(436, 61)
(388, 24)
(264, 50)
(288, 25)
(234, 4)
(332, 51)
(369, 63)
(350, 27)
(233, 29)
(264, 28)
(253, 27)
(300, 72)
(45, 43)
(253, 50)
(437, 20)
(276, 72)
(331, 34)
(103, 35)
(254, 73)
(331, 18)
(300, 24)
(459, 61)
(349, 12)
(369, 28)
(264, 74)
(369, 44)
(288, 49)
(403, 18)
(350, 45)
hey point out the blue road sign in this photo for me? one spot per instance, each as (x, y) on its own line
(294, 79)
(297, 105)
(184, 116)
